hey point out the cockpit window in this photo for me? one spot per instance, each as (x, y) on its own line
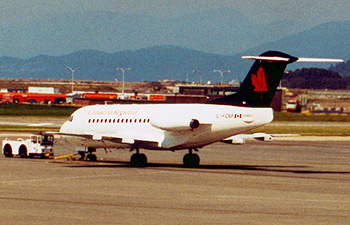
(70, 119)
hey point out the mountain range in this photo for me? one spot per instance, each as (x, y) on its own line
(223, 31)
(96, 42)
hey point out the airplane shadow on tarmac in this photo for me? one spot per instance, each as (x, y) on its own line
(165, 166)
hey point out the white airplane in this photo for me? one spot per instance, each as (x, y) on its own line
(182, 126)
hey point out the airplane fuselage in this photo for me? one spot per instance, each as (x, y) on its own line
(161, 126)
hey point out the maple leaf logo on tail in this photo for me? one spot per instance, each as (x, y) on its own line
(259, 81)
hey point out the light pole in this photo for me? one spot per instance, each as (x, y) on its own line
(200, 75)
(222, 74)
(123, 72)
(73, 71)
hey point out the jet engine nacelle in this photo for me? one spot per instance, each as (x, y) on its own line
(174, 122)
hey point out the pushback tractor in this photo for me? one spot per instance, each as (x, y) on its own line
(40, 144)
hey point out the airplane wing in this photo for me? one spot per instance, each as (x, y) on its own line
(115, 138)
(235, 140)
(241, 138)
(70, 134)
(131, 140)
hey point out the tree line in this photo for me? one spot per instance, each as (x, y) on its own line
(336, 77)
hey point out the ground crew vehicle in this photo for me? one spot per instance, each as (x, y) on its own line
(293, 105)
(40, 144)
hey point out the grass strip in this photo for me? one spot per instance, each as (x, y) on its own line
(305, 130)
(36, 110)
(284, 116)
(27, 128)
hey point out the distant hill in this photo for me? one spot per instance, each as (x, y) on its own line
(328, 40)
(96, 42)
(149, 64)
(342, 68)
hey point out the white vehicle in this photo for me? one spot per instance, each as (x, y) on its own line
(172, 127)
(40, 144)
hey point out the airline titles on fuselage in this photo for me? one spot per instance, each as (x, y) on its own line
(115, 112)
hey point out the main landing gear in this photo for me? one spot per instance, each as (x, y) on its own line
(90, 157)
(191, 160)
(137, 159)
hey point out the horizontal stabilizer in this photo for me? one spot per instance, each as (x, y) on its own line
(267, 58)
(320, 60)
(283, 59)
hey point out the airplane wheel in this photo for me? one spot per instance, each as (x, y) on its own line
(138, 160)
(191, 160)
(143, 159)
(91, 157)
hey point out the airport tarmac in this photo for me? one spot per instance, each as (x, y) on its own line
(287, 181)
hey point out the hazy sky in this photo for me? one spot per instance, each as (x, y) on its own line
(315, 11)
